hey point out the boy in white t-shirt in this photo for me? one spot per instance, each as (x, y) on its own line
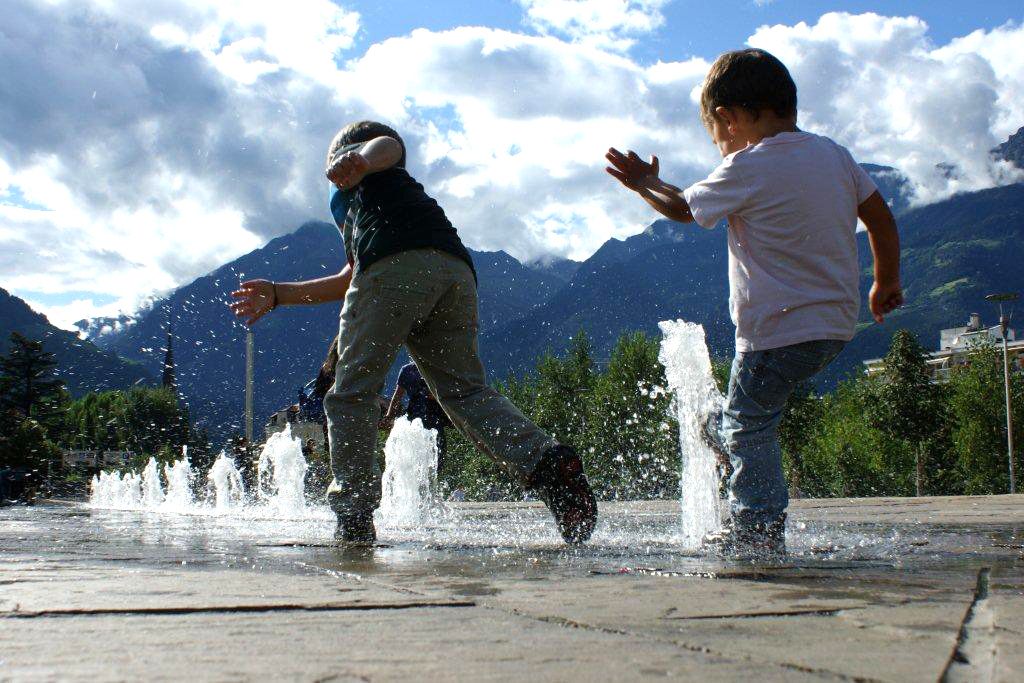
(792, 200)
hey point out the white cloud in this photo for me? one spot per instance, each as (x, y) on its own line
(610, 24)
(879, 85)
(521, 168)
(246, 39)
(167, 138)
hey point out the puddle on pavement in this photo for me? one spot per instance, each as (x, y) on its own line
(480, 542)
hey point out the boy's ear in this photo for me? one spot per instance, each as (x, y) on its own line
(729, 117)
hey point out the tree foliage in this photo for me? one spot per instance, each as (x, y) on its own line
(978, 419)
(865, 438)
(144, 420)
(28, 384)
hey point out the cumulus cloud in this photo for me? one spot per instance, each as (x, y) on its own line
(612, 24)
(879, 85)
(143, 144)
(152, 151)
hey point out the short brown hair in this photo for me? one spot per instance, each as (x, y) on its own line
(363, 131)
(753, 79)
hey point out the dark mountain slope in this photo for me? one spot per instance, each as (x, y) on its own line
(81, 365)
(292, 341)
(954, 253)
(668, 271)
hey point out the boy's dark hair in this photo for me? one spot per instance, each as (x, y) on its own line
(363, 131)
(753, 79)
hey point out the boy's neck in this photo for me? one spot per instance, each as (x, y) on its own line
(769, 124)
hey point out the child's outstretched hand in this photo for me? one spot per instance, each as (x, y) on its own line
(884, 299)
(253, 300)
(348, 170)
(630, 170)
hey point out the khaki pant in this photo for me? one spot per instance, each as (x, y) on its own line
(425, 299)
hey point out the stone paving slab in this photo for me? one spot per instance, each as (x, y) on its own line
(791, 626)
(114, 597)
(473, 644)
(28, 588)
(1008, 635)
(926, 509)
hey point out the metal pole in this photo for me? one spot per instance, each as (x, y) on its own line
(249, 346)
(1004, 323)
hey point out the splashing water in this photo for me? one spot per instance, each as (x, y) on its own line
(226, 480)
(684, 353)
(122, 491)
(281, 496)
(411, 505)
(180, 480)
(152, 489)
(282, 475)
(409, 496)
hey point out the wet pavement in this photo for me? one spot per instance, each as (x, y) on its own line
(874, 589)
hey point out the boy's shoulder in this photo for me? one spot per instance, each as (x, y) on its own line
(795, 142)
(799, 149)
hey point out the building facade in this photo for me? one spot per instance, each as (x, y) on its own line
(956, 344)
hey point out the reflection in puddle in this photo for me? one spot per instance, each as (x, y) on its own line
(476, 541)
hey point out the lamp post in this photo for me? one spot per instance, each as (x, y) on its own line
(249, 358)
(1004, 322)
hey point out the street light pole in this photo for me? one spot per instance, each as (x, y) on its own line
(1004, 323)
(249, 359)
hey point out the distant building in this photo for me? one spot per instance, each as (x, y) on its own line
(306, 418)
(95, 459)
(955, 345)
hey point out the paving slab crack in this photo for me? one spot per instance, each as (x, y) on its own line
(232, 609)
(690, 647)
(974, 655)
(811, 612)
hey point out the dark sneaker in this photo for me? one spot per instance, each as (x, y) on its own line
(560, 482)
(356, 529)
(761, 541)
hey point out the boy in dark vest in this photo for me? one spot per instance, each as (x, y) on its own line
(409, 280)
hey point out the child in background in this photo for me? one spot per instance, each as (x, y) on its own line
(792, 200)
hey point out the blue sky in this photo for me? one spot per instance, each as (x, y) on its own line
(692, 27)
(151, 143)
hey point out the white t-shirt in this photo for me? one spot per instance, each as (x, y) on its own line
(791, 201)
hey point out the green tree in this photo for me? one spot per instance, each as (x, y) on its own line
(800, 419)
(24, 444)
(906, 406)
(846, 454)
(28, 383)
(563, 389)
(146, 420)
(632, 445)
(978, 415)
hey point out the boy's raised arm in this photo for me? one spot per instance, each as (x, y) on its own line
(255, 298)
(642, 178)
(886, 293)
(349, 168)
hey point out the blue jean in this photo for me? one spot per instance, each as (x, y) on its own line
(760, 384)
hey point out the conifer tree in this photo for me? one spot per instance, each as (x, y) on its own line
(28, 384)
(906, 405)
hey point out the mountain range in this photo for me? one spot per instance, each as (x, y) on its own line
(81, 365)
(954, 252)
